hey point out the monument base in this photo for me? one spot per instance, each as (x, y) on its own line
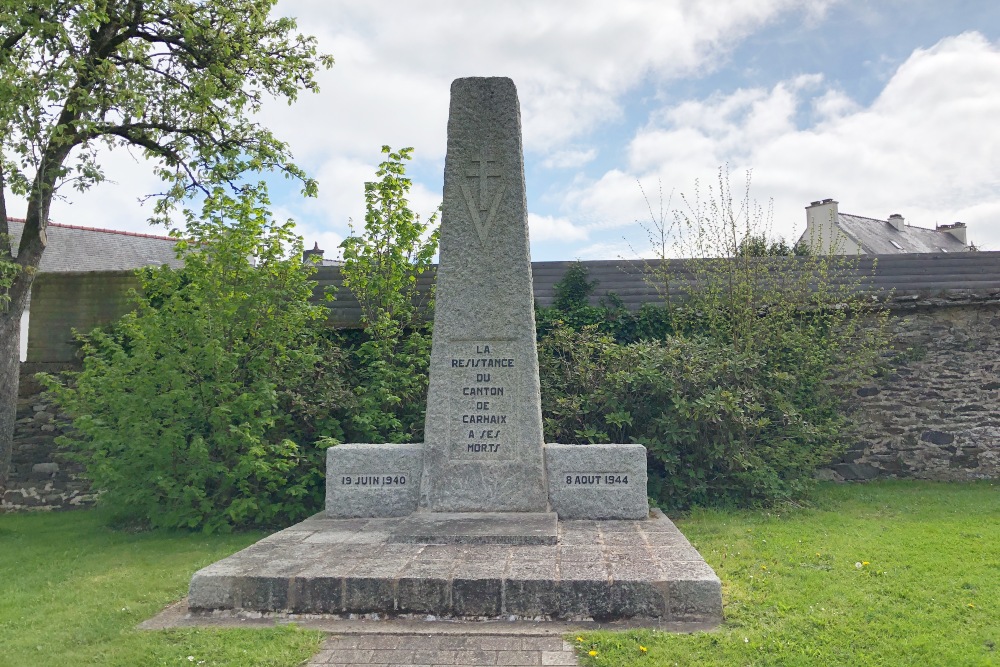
(377, 480)
(596, 570)
(477, 528)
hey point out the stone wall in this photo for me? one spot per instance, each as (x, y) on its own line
(937, 414)
(41, 477)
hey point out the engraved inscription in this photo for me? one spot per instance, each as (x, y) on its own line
(372, 480)
(482, 172)
(482, 404)
(596, 479)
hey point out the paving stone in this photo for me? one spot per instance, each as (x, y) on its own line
(558, 658)
(580, 554)
(479, 528)
(519, 658)
(677, 552)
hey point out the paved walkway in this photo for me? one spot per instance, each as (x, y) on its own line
(451, 650)
(421, 643)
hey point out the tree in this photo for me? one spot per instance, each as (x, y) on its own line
(181, 80)
(381, 267)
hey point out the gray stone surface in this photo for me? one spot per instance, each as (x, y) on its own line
(442, 649)
(597, 481)
(372, 480)
(478, 528)
(597, 570)
(483, 433)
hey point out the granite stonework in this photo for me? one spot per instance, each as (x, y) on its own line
(597, 570)
(597, 481)
(936, 414)
(372, 480)
(483, 430)
(516, 528)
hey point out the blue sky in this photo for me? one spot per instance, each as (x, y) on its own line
(888, 107)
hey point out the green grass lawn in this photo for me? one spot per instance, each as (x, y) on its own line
(901, 573)
(72, 592)
(927, 591)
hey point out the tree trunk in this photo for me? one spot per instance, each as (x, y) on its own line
(10, 363)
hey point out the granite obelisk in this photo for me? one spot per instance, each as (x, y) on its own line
(483, 443)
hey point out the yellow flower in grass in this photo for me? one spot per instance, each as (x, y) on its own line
(579, 639)
(642, 649)
(592, 654)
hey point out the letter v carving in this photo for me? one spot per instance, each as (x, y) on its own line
(481, 227)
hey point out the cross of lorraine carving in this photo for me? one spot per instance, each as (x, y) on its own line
(484, 203)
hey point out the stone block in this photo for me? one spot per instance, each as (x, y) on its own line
(317, 595)
(597, 481)
(373, 480)
(364, 595)
(473, 595)
(422, 594)
(694, 592)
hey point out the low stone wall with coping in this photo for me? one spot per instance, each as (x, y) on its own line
(936, 415)
(41, 476)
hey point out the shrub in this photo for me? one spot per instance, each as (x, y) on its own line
(736, 381)
(199, 409)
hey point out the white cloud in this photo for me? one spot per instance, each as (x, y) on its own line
(548, 228)
(569, 158)
(572, 60)
(928, 147)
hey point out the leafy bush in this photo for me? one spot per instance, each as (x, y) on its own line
(736, 381)
(719, 428)
(199, 408)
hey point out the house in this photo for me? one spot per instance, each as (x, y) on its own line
(316, 257)
(827, 227)
(74, 249)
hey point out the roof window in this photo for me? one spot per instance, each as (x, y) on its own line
(898, 247)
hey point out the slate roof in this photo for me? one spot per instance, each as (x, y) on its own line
(73, 248)
(876, 237)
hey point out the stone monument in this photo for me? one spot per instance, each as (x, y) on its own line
(483, 518)
(484, 449)
(483, 434)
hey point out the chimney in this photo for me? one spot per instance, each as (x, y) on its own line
(897, 221)
(314, 255)
(822, 233)
(958, 230)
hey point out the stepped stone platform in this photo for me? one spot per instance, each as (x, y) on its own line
(596, 570)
